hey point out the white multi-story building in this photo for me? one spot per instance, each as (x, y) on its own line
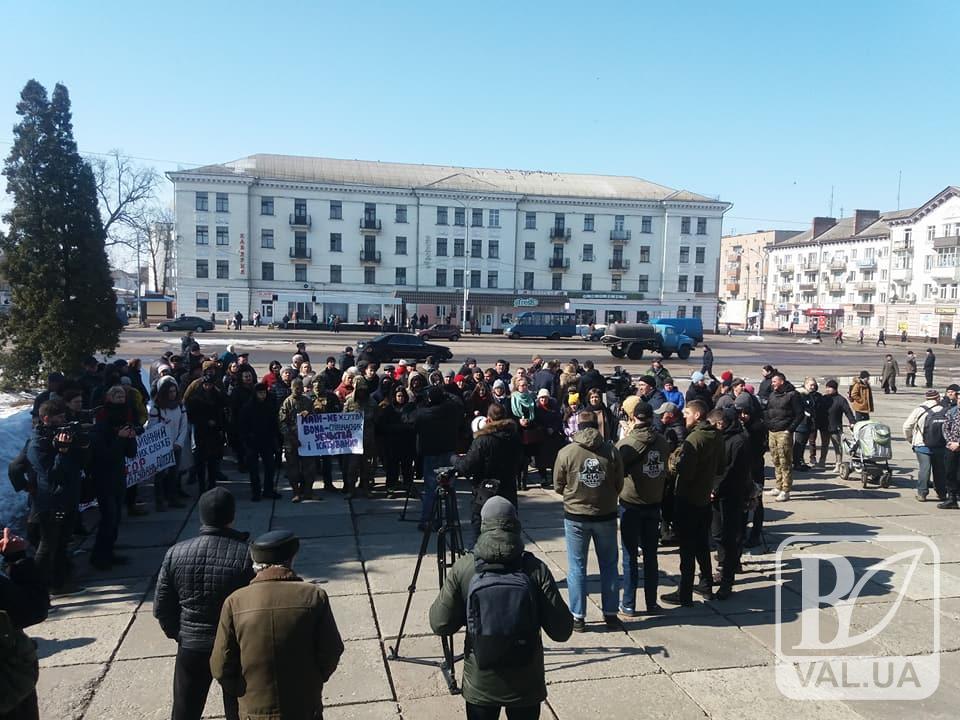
(357, 239)
(899, 271)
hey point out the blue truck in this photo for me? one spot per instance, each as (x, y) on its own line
(631, 340)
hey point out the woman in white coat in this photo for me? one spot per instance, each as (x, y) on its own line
(165, 408)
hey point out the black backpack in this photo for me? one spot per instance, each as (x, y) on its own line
(503, 620)
(933, 436)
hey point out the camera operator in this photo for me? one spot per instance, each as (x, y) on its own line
(437, 424)
(112, 441)
(56, 457)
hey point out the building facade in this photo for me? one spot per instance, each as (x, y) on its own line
(899, 271)
(360, 240)
(743, 260)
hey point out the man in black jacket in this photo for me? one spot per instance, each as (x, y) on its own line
(591, 378)
(783, 414)
(437, 426)
(752, 420)
(730, 492)
(929, 363)
(195, 578)
(346, 359)
(763, 392)
(832, 409)
(259, 439)
(546, 379)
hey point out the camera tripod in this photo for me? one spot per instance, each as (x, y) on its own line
(445, 520)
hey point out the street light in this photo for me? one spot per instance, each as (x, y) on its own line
(761, 269)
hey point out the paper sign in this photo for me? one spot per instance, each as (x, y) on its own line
(331, 434)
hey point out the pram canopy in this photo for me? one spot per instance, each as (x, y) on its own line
(873, 440)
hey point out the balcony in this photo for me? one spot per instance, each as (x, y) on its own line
(838, 265)
(619, 264)
(808, 286)
(620, 236)
(902, 245)
(945, 272)
(867, 264)
(732, 258)
(559, 233)
(300, 220)
(835, 288)
(370, 256)
(866, 286)
(559, 263)
(786, 288)
(733, 288)
(901, 274)
(863, 308)
(785, 270)
(946, 241)
(300, 253)
(368, 225)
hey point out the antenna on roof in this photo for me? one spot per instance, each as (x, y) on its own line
(899, 178)
(830, 214)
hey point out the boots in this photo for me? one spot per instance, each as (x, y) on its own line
(950, 503)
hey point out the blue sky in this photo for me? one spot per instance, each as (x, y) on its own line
(766, 105)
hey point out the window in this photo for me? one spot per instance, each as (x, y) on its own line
(643, 284)
(369, 276)
(223, 203)
(698, 283)
(588, 252)
(616, 283)
(459, 216)
(492, 280)
(528, 281)
(458, 278)
(618, 223)
(336, 242)
(493, 218)
(588, 223)
(931, 232)
(684, 226)
(336, 210)
(266, 206)
(476, 248)
(223, 235)
(701, 227)
(441, 247)
(458, 247)
(266, 271)
(203, 268)
(493, 248)
(441, 216)
(203, 202)
(697, 311)
(646, 224)
(203, 302)
(684, 254)
(300, 211)
(529, 251)
(681, 311)
(474, 278)
(336, 274)
(682, 283)
(401, 276)
(223, 302)
(644, 253)
(476, 217)
(556, 282)
(586, 282)
(300, 241)
(531, 221)
(701, 255)
(223, 269)
(266, 238)
(401, 216)
(441, 278)
(370, 215)
(401, 245)
(300, 273)
(203, 235)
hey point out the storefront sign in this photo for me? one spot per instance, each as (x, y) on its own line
(243, 254)
(154, 453)
(526, 302)
(606, 296)
(945, 310)
(330, 434)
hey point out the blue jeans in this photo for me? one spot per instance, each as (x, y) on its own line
(427, 500)
(639, 529)
(930, 462)
(578, 534)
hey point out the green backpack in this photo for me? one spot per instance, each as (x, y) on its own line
(19, 668)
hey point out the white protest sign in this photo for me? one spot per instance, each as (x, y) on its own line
(154, 453)
(331, 434)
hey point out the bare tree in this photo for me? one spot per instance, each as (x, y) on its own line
(156, 233)
(126, 192)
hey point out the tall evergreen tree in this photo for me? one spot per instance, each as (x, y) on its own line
(63, 305)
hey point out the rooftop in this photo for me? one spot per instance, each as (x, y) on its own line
(844, 230)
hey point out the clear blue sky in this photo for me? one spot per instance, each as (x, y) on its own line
(767, 105)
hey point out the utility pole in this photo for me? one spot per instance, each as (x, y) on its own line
(140, 314)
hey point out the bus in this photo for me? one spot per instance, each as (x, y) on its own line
(553, 325)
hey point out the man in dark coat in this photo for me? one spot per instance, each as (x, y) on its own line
(437, 425)
(195, 578)
(730, 492)
(546, 379)
(783, 415)
(929, 363)
(206, 408)
(258, 428)
(346, 359)
(591, 378)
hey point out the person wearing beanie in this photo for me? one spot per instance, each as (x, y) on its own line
(196, 577)
(700, 390)
(301, 469)
(660, 374)
(206, 410)
(648, 391)
(518, 684)
(929, 365)
(861, 396)
(783, 414)
(278, 627)
(924, 430)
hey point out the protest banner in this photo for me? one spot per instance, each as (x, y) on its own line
(154, 453)
(331, 434)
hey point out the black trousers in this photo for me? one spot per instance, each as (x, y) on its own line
(911, 379)
(640, 529)
(492, 712)
(256, 457)
(206, 463)
(951, 461)
(800, 438)
(928, 376)
(191, 683)
(26, 709)
(728, 534)
(109, 504)
(56, 528)
(692, 523)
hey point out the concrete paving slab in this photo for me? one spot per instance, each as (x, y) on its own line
(141, 689)
(763, 628)
(360, 677)
(649, 696)
(365, 711)
(911, 630)
(421, 679)
(162, 529)
(143, 562)
(394, 575)
(72, 642)
(354, 617)
(145, 639)
(380, 524)
(440, 707)
(63, 692)
(944, 523)
(598, 653)
(345, 578)
(389, 607)
(104, 598)
(315, 527)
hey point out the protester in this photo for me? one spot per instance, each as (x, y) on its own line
(832, 409)
(206, 409)
(437, 425)
(861, 396)
(730, 492)
(165, 409)
(259, 442)
(910, 378)
(951, 480)
(929, 364)
(783, 414)
(301, 469)
(924, 430)
(888, 374)
(809, 398)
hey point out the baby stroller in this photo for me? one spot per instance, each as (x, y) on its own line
(868, 452)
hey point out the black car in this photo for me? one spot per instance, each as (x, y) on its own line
(185, 322)
(397, 346)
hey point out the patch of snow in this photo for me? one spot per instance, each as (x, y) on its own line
(755, 338)
(14, 431)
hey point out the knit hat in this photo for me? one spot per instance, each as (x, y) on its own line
(864, 374)
(403, 363)
(726, 376)
(743, 402)
(499, 384)
(642, 409)
(648, 380)
(574, 398)
(543, 393)
(498, 508)
(275, 547)
(931, 395)
(629, 405)
(217, 507)
(831, 383)
(697, 376)
(478, 422)
(209, 365)
(458, 378)
(954, 387)
(749, 388)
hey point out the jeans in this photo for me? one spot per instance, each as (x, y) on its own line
(109, 505)
(931, 463)
(911, 379)
(191, 683)
(51, 557)
(492, 712)
(639, 527)
(693, 532)
(578, 534)
(951, 467)
(427, 500)
(256, 456)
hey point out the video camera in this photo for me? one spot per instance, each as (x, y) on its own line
(620, 384)
(78, 432)
(445, 476)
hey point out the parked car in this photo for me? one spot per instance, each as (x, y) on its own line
(398, 346)
(444, 332)
(185, 322)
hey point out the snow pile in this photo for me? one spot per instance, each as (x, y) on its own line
(14, 430)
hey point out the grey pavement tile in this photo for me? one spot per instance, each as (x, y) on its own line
(379, 524)
(63, 692)
(315, 527)
(649, 696)
(160, 529)
(141, 689)
(438, 707)
(327, 550)
(142, 562)
(361, 676)
(336, 579)
(598, 653)
(764, 628)
(416, 673)
(944, 523)
(395, 574)
(103, 598)
(145, 639)
(354, 617)
(71, 641)
(912, 628)
(389, 607)
(364, 711)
